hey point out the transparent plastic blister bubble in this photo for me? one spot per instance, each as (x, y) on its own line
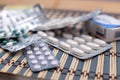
(16, 44)
(60, 23)
(82, 46)
(40, 57)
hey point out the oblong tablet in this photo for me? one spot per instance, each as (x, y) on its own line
(79, 40)
(65, 45)
(67, 36)
(85, 48)
(53, 40)
(86, 37)
(50, 33)
(42, 34)
(77, 51)
(100, 42)
(92, 45)
(72, 42)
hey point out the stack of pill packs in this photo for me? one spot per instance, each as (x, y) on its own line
(16, 33)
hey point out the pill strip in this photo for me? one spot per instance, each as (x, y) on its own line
(82, 47)
(14, 25)
(40, 57)
(14, 46)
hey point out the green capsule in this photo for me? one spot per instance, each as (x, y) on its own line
(15, 42)
(5, 42)
(17, 34)
(25, 36)
(22, 30)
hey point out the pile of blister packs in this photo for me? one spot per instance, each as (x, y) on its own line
(16, 34)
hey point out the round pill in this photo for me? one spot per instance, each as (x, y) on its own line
(47, 53)
(42, 44)
(72, 42)
(65, 45)
(79, 40)
(29, 52)
(99, 42)
(50, 57)
(50, 33)
(42, 34)
(44, 48)
(9, 44)
(53, 40)
(40, 57)
(34, 61)
(85, 48)
(92, 45)
(37, 66)
(35, 48)
(44, 62)
(77, 51)
(54, 62)
(31, 56)
(67, 36)
(38, 53)
(86, 37)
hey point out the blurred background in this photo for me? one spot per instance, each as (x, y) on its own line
(112, 6)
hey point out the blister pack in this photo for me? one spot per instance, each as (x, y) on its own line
(14, 25)
(82, 46)
(40, 57)
(14, 45)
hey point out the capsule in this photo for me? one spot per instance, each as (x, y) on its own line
(86, 37)
(40, 57)
(100, 42)
(67, 36)
(92, 45)
(50, 33)
(77, 51)
(72, 42)
(53, 40)
(29, 52)
(85, 48)
(38, 53)
(42, 34)
(47, 53)
(79, 40)
(35, 48)
(65, 45)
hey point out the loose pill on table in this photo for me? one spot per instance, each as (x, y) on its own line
(53, 40)
(36, 66)
(86, 37)
(67, 36)
(72, 42)
(65, 45)
(92, 45)
(79, 40)
(77, 51)
(42, 34)
(85, 48)
(100, 42)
